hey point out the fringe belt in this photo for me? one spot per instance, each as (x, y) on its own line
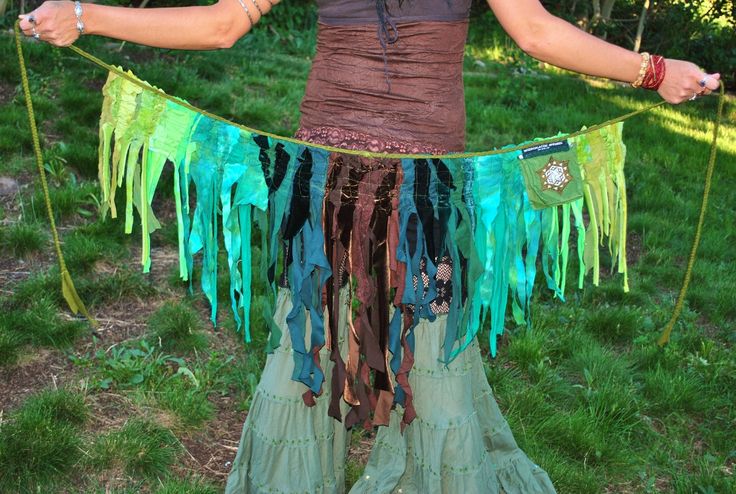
(384, 223)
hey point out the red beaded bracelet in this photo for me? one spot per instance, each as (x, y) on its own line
(655, 73)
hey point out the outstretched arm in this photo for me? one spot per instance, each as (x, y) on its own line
(553, 40)
(189, 28)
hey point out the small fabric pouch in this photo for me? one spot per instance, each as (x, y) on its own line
(551, 173)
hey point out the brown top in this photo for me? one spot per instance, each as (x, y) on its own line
(365, 11)
(348, 87)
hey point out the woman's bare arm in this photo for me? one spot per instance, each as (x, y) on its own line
(189, 28)
(553, 40)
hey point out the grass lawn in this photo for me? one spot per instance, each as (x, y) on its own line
(154, 400)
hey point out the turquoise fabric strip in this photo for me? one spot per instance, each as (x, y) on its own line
(502, 232)
(242, 188)
(205, 173)
(451, 185)
(471, 245)
(278, 167)
(222, 164)
(410, 250)
(308, 271)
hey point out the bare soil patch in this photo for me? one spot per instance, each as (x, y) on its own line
(37, 370)
(7, 92)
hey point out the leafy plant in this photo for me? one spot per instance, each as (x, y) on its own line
(130, 366)
(56, 166)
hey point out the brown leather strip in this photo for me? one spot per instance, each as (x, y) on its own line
(402, 377)
(337, 244)
(364, 240)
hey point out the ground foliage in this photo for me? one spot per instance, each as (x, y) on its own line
(153, 400)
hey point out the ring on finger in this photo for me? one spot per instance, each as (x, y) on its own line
(35, 33)
(702, 82)
(32, 19)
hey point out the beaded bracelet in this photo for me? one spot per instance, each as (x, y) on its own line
(250, 17)
(651, 72)
(642, 70)
(655, 73)
(258, 7)
(78, 13)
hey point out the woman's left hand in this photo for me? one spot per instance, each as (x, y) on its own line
(53, 22)
(684, 81)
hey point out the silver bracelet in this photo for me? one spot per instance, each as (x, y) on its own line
(258, 7)
(250, 17)
(78, 13)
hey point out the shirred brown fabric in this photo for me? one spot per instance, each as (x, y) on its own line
(416, 97)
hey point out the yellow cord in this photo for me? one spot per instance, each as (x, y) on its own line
(67, 285)
(665, 337)
(365, 154)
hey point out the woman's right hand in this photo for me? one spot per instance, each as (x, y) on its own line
(53, 22)
(208, 27)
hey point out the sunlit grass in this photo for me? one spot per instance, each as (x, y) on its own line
(175, 326)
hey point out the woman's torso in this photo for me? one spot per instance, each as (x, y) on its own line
(412, 92)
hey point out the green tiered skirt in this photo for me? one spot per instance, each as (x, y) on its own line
(458, 443)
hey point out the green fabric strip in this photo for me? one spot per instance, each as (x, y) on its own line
(169, 142)
(242, 188)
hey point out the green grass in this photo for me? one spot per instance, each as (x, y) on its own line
(188, 486)
(141, 448)
(22, 239)
(187, 400)
(175, 326)
(94, 289)
(153, 378)
(36, 322)
(40, 443)
(588, 394)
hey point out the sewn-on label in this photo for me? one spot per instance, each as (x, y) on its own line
(545, 149)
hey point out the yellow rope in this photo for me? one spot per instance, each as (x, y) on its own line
(366, 154)
(67, 285)
(665, 336)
